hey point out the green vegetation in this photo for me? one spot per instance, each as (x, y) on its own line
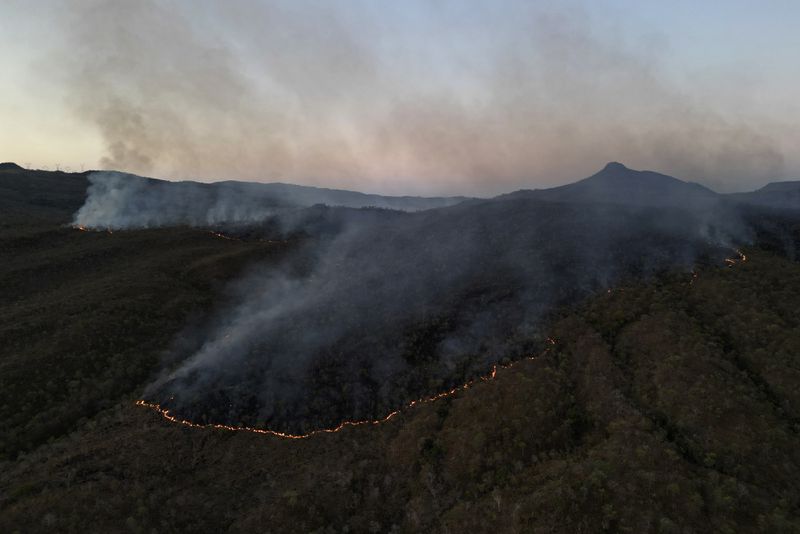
(663, 408)
(666, 407)
(85, 316)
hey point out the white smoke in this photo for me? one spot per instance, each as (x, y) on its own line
(118, 201)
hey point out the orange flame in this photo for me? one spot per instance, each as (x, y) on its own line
(223, 236)
(85, 229)
(231, 238)
(733, 261)
(165, 413)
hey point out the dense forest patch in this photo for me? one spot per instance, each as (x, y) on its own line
(664, 407)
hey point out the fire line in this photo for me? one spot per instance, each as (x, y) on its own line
(166, 414)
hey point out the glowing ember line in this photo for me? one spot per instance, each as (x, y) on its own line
(223, 236)
(231, 238)
(85, 229)
(733, 261)
(486, 378)
(165, 413)
(730, 261)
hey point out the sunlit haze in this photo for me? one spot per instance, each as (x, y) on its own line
(413, 97)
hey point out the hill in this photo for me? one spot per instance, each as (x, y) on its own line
(777, 195)
(662, 408)
(668, 402)
(27, 195)
(84, 316)
(118, 200)
(617, 184)
(421, 302)
(10, 166)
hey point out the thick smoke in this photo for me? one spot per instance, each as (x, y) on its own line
(124, 201)
(375, 307)
(391, 305)
(470, 97)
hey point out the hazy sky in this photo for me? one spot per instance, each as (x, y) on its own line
(412, 96)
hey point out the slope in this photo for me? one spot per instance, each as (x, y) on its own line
(777, 195)
(669, 407)
(85, 316)
(617, 184)
(664, 407)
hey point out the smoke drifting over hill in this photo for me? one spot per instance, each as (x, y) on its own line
(125, 201)
(351, 96)
(375, 307)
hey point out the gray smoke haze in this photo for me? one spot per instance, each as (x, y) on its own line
(119, 201)
(377, 308)
(123, 201)
(356, 96)
(394, 305)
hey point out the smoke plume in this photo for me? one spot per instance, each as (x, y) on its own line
(361, 97)
(119, 201)
(379, 307)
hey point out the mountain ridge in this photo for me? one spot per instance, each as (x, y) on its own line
(615, 183)
(668, 406)
(618, 184)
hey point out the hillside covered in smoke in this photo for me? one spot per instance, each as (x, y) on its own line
(123, 201)
(664, 405)
(378, 307)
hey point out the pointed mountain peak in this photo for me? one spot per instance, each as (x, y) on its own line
(617, 184)
(614, 166)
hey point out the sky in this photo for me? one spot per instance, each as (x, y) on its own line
(469, 97)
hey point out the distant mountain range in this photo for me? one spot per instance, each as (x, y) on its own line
(303, 195)
(618, 417)
(781, 195)
(667, 407)
(614, 184)
(105, 199)
(617, 184)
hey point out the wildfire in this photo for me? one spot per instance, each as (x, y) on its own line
(231, 238)
(733, 261)
(165, 413)
(741, 259)
(730, 261)
(85, 229)
(223, 236)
